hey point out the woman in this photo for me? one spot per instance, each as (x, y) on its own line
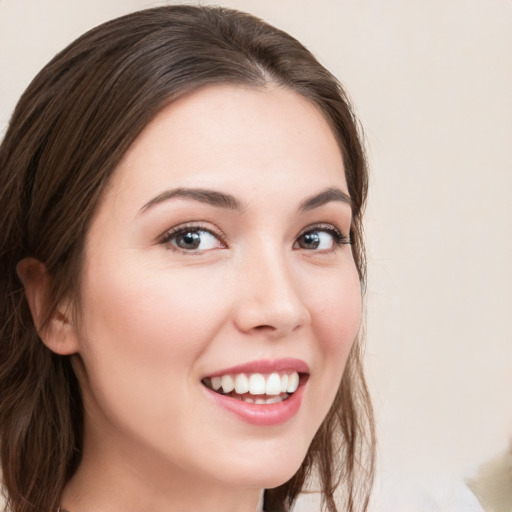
(182, 265)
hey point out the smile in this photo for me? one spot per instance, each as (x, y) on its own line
(255, 388)
(263, 393)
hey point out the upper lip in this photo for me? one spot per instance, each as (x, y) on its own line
(265, 366)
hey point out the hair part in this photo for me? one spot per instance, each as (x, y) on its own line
(67, 135)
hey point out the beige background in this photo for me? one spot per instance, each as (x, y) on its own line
(432, 82)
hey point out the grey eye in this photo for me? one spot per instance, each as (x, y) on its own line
(316, 240)
(194, 240)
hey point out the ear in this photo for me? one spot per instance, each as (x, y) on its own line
(55, 327)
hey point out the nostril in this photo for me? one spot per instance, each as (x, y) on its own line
(265, 327)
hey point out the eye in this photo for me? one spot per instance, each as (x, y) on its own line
(321, 238)
(192, 239)
(316, 240)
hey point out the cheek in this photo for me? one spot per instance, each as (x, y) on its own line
(150, 327)
(336, 314)
(141, 340)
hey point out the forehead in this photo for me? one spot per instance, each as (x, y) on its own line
(233, 137)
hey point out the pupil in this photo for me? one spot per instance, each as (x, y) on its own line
(190, 240)
(311, 240)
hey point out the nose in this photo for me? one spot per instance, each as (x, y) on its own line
(268, 298)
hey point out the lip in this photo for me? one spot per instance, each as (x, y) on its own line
(263, 414)
(265, 366)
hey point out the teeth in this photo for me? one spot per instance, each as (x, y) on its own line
(256, 384)
(293, 382)
(264, 401)
(273, 384)
(241, 384)
(217, 383)
(227, 383)
(284, 383)
(273, 400)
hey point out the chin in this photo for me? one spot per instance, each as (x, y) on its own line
(269, 478)
(268, 471)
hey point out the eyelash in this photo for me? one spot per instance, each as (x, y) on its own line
(338, 238)
(190, 228)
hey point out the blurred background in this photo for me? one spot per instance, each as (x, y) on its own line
(432, 85)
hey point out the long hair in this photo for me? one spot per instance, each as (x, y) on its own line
(66, 136)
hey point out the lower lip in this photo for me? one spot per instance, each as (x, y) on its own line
(261, 414)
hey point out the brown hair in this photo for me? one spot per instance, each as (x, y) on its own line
(68, 132)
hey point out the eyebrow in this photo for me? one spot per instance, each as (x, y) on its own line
(326, 196)
(223, 200)
(212, 197)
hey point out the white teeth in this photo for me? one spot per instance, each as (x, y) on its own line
(265, 401)
(257, 384)
(293, 382)
(273, 386)
(284, 383)
(273, 400)
(227, 383)
(241, 384)
(216, 383)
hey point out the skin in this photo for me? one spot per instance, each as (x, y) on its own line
(155, 319)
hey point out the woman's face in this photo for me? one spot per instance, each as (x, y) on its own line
(219, 253)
